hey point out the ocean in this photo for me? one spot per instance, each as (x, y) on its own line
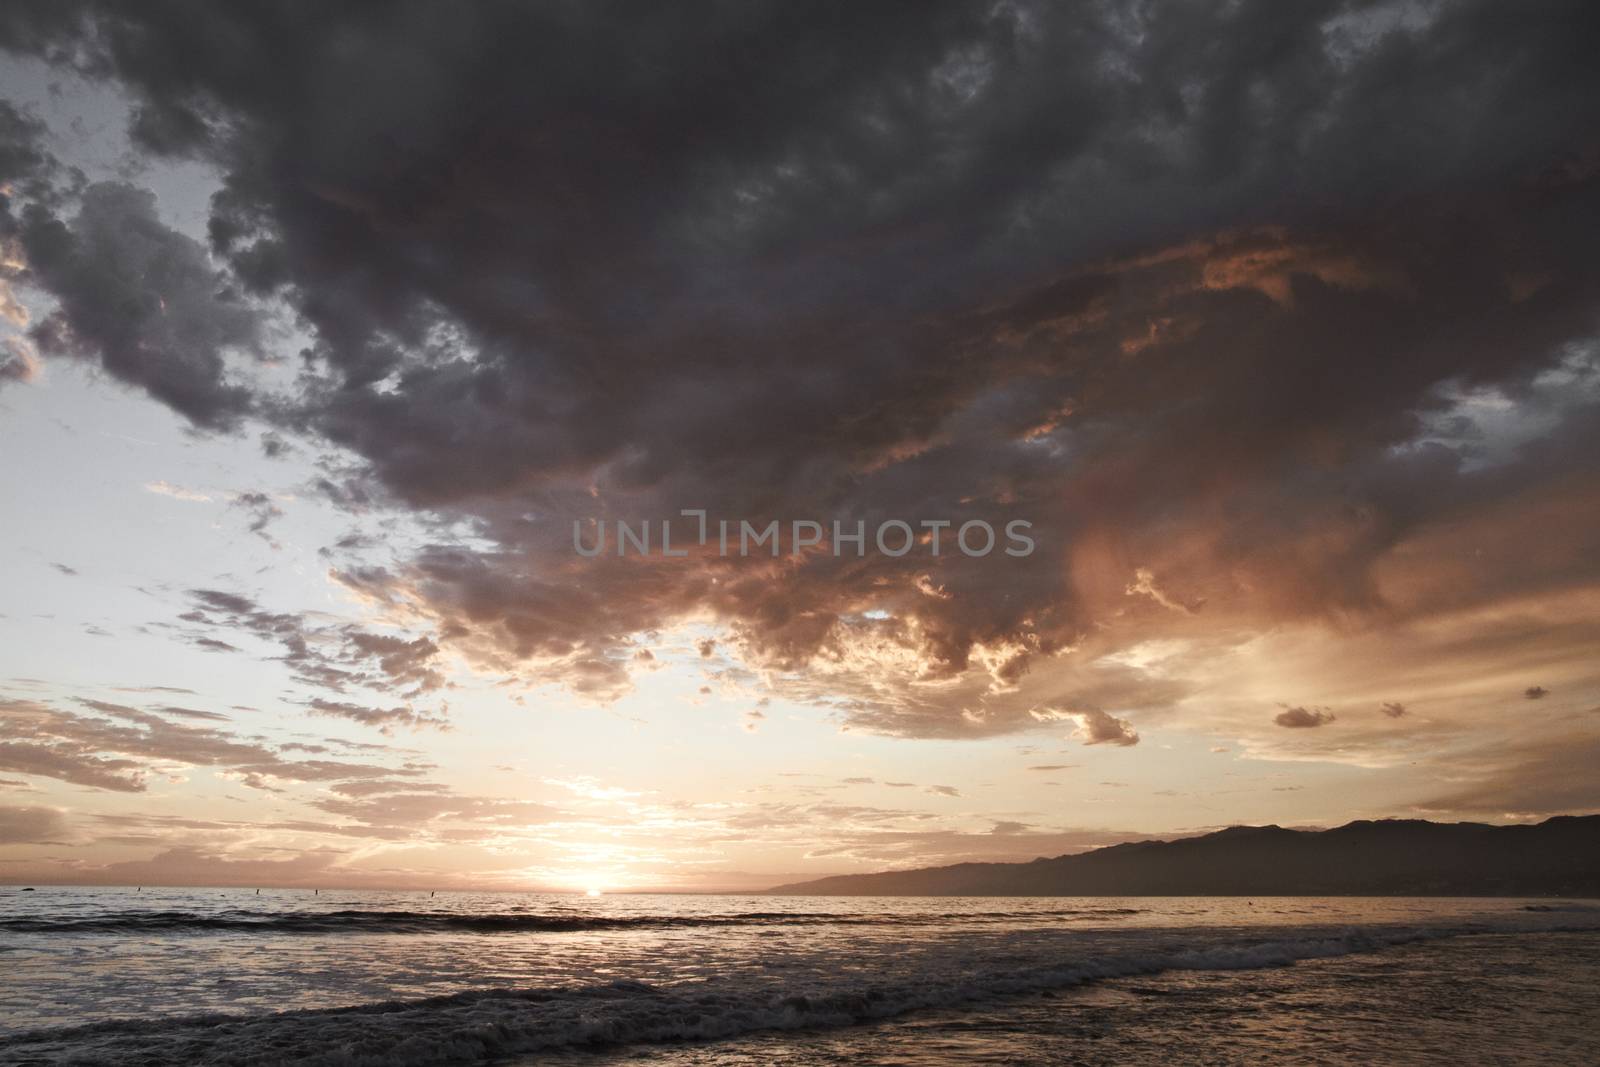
(203, 976)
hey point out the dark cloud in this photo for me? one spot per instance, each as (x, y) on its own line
(1189, 287)
(262, 512)
(26, 165)
(1303, 718)
(142, 300)
(1535, 692)
(1393, 709)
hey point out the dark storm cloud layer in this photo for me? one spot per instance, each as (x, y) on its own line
(1183, 285)
(142, 299)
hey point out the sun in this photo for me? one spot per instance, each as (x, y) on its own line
(592, 892)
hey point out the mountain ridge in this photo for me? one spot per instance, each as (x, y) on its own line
(1367, 857)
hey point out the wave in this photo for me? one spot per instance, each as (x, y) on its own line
(486, 1025)
(416, 922)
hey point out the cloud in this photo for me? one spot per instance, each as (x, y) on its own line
(1522, 779)
(1097, 727)
(190, 865)
(329, 657)
(18, 360)
(262, 510)
(1535, 692)
(385, 719)
(120, 748)
(406, 662)
(30, 825)
(26, 165)
(73, 763)
(190, 713)
(412, 809)
(1145, 584)
(177, 492)
(1393, 709)
(870, 844)
(1303, 718)
(141, 300)
(868, 288)
(943, 790)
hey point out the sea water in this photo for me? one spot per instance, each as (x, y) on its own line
(118, 976)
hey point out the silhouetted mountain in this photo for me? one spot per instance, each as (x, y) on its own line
(1394, 857)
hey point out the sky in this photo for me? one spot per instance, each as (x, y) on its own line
(329, 336)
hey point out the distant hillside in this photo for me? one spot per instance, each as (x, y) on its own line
(1558, 857)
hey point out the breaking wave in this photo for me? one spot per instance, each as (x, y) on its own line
(421, 922)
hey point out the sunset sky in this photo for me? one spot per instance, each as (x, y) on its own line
(320, 326)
